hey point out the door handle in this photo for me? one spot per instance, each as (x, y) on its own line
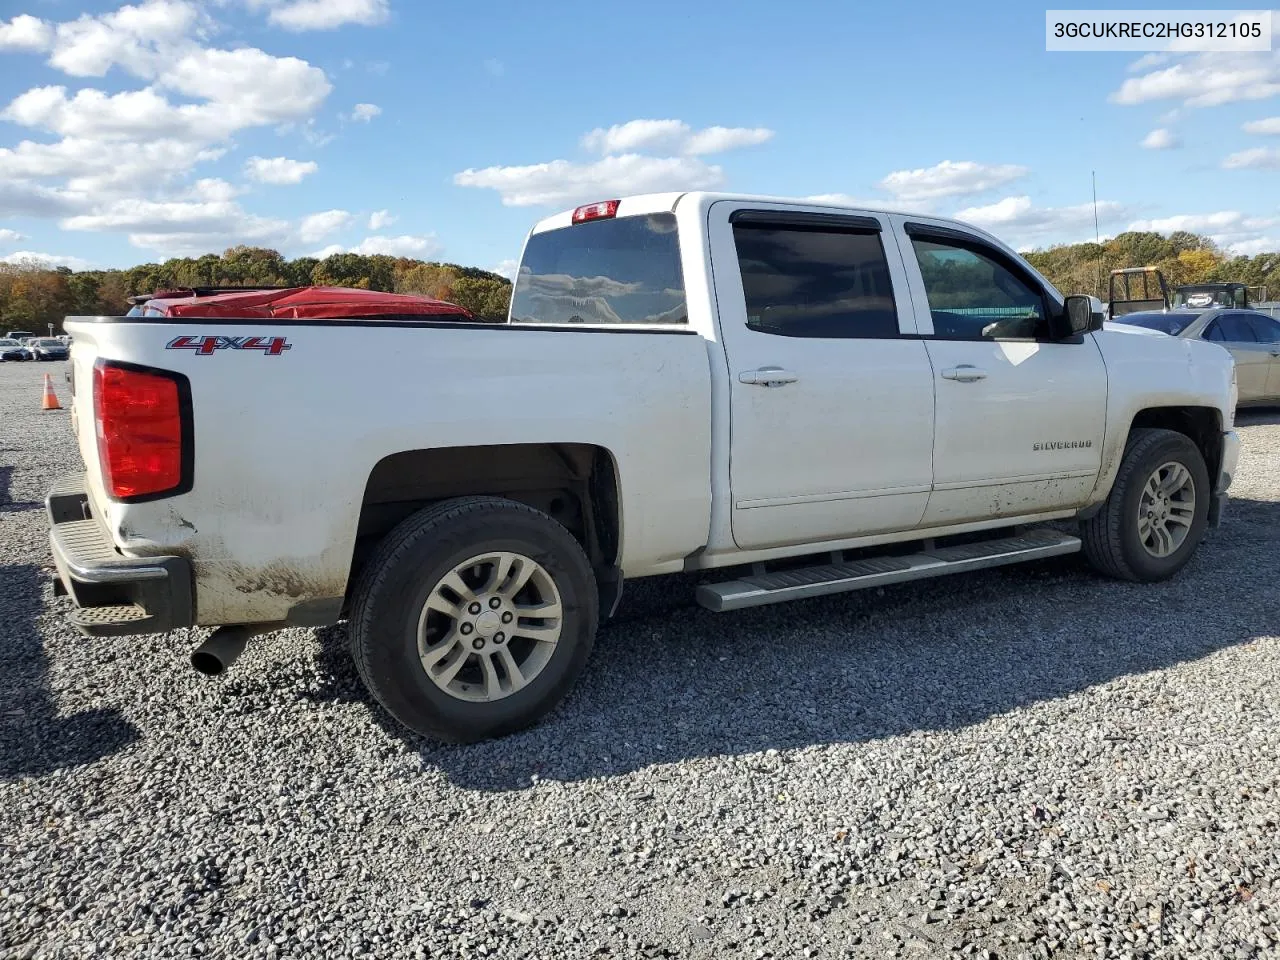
(965, 373)
(767, 377)
(1275, 353)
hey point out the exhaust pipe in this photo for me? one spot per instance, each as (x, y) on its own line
(216, 655)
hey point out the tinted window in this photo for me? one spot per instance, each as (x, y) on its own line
(1265, 329)
(1231, 328)
(1170, 323)
(815, 282)
(973, 296)
(603, 271)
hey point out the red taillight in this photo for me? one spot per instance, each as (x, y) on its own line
(143, 425)
(596, 211)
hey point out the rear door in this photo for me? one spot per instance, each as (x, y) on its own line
(1267, 330)
(831, 395)
(1234, 330)
(1019, 419)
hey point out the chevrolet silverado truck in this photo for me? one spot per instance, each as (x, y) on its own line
(791, 398)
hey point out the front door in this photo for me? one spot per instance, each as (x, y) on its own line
(1020, 419)
(1267, 330)
(830, 392)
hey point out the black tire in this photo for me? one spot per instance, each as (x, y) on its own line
(1111, 541)
(401, 575)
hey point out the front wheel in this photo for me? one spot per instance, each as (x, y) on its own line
(474, 618)
(1155, 515)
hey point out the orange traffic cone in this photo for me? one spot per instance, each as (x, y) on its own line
(50, 401)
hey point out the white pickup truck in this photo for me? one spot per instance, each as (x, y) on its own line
(687, 382)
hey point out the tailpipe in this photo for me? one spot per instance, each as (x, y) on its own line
(216, 655)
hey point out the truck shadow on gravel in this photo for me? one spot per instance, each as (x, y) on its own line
(7, 503)
(34, 738)
(669, 681)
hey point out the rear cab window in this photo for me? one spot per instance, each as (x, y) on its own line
(815, 277)
(624, 270)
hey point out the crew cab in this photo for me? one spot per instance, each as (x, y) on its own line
(757, 389)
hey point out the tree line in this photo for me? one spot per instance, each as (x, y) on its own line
(33, 296)
(1181, 256)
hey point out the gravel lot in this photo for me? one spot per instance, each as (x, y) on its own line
(1031, 762)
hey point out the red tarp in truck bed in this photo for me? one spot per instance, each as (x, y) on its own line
(302, 303)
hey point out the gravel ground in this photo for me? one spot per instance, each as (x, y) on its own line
(1031, 762)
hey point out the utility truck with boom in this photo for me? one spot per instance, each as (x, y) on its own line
(757, 389)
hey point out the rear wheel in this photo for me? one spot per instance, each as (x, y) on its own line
(1155, 515)
(474, 618)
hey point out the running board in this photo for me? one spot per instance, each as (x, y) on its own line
(818, 581)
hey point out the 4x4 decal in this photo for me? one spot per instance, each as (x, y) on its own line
(205, 346)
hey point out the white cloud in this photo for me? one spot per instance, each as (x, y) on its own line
(563, 182)
(1255, 158)
(1249, 248)
(31, 258)
(1236, 232)
(25, 33)
(1222, 222)
(10, 236)
(1019, 222)
(1269, 126)
(183, 227)
(20, 198)
(380, 219)
(126, 158)
(672, 135)
(131, 37)
(1205, 80)
(1161, 138)
(402, 246)
(507, 268)
(254, 87)
(327, 14)
(213, 189)
(278, 170)
(317, 226)
(950, 178)
(364, 112)
(102, 167)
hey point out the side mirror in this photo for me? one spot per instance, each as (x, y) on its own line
(1079, 316)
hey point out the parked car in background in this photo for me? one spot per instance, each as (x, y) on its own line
(1252, 338)
(19, 335)
(48, 348)
(11, 349)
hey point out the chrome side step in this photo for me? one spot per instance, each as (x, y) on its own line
(817, 581)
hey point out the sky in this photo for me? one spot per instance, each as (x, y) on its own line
(134, 133)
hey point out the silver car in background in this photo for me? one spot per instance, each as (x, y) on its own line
(1251, 337)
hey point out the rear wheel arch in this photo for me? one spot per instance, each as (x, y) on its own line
(576, 484)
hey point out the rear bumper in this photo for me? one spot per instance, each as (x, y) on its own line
(1226, 473)
(114, 595)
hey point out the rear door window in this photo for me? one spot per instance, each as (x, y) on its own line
(1233, 328)
(618, 271)
(820, 282)
(1265, 329)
